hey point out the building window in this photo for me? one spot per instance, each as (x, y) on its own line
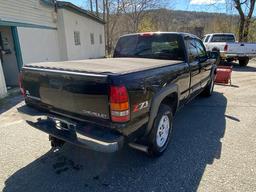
(77, 38)
(100, 39)
(92, 38)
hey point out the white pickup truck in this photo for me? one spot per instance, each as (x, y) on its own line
(229, 48)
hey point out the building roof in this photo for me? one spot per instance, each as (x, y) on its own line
(74, 8)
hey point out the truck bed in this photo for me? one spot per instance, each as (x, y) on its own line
(241, 49)
(104, 66)
(84, 90)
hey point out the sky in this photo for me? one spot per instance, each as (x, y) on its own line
(218, 6)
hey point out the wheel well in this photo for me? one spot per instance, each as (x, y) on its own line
(215, 49)
(244, 58)
(172, 101)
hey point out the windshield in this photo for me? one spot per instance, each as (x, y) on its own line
(206, 38)
(223, 38)
(155, 46)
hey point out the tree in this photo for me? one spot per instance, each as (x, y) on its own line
(146, 25)
(252, 33)
(136, 9)
(245, 9)
(132, 11)
(162, 19)
(112, 13)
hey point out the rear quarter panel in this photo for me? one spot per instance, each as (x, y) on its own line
(143, 86)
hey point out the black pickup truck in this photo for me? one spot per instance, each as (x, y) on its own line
(102, 104)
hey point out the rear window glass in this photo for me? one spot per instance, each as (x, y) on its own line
(156, 46)
(223, 38)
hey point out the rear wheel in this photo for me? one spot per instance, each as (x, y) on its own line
(159, 137)
(218, 60)
(229, 60)
(243, 61)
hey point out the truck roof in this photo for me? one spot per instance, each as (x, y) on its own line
(102, 66)
(162, 32)
(220, 34)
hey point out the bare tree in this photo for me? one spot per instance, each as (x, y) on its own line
(132, 10)
(162, 19)
(91, 6)
(252, 33)
(136, 9)
(113, 11)
(97, 7)
(245, 9)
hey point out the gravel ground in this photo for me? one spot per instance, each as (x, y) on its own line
(213, 149)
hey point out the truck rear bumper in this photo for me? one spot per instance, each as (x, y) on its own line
(77, 133)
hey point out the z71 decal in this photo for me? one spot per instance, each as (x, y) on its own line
(140, 106)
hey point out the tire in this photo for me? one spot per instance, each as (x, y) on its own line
(218, 60)
(208, 90)
(55, 142)
(160, 134)
(243, 61)
(229, 60)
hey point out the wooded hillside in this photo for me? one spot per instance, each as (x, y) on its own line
(198, 23)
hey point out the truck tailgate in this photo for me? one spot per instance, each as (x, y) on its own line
(69, 92)
(242, 48)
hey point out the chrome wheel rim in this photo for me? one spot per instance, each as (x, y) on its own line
(163, 131)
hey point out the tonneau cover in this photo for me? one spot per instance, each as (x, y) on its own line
(106, 66)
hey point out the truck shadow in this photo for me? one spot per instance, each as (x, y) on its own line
(196, 143)
(237, 67)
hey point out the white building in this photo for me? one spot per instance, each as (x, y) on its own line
(41, 30)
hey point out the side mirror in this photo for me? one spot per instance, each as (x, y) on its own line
(202, 59)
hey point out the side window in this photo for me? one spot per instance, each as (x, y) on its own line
(92, 38)
(192, 50)
(77, 38)
(200, 49)
(100, 37)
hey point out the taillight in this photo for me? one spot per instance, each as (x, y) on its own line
(119, 104)
(226, 47)
(22, 90)
(147, 34)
